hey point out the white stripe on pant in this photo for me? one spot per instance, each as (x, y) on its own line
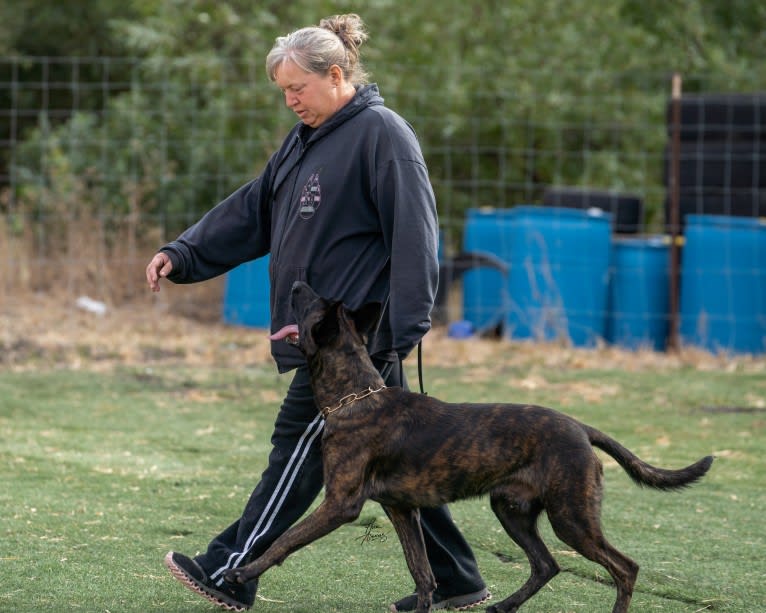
(282, 489)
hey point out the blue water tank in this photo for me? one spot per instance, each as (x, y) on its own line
(559, 273)
(723, 284)
(246, 295)
(639, 293)
(485, 289)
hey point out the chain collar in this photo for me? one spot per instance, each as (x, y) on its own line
(350, 399)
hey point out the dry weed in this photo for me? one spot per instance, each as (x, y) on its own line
(182, 325)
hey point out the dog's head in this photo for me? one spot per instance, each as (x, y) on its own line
(325, 323)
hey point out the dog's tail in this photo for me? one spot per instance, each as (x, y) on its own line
(646, 474)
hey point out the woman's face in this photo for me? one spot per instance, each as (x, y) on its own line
(313, 97)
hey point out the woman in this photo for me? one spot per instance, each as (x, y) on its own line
(346, 205)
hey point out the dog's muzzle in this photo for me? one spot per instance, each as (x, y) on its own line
(289, 334)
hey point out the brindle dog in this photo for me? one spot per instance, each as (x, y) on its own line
(407, 450)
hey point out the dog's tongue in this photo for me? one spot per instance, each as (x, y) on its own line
(289, 331)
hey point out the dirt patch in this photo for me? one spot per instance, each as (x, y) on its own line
(182, 325)
(171, 327)
(727, 410)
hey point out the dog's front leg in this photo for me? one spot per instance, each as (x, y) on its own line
(328, 516)
(407, 525)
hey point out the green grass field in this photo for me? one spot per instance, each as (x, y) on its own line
(103, 473)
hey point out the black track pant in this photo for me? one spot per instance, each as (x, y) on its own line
(292, 481)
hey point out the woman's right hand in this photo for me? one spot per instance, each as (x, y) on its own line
(159, 267)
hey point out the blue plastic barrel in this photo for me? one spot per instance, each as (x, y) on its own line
(559, 273)
(485, 289)
(723, 284)
(639, 293)
(246, 295)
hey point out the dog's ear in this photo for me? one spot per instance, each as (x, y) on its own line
(366, 317)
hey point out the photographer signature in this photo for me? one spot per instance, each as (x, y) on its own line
(372, 533)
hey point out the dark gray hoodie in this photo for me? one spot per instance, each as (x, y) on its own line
(346, 207)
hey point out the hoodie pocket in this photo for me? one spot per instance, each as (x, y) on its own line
(282, 312)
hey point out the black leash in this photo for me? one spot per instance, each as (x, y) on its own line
(420, 367)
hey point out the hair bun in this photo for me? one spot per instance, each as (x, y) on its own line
(349, 28)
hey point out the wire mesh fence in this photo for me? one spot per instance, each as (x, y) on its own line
(104, 159)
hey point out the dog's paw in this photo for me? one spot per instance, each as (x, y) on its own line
(234, 576)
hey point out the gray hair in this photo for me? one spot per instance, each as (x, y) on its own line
(336, 40)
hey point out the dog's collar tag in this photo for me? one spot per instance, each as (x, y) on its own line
(349, 399)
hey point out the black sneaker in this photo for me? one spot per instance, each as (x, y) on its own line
(461, 602)
(190, 574)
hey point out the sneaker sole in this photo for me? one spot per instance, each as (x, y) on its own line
(221, 600)
(471, 605)
(457, 603)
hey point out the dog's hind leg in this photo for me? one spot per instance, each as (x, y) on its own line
(576, 521)
(407, 525)
(518, 515)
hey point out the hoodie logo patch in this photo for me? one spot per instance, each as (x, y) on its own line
(311, 196)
